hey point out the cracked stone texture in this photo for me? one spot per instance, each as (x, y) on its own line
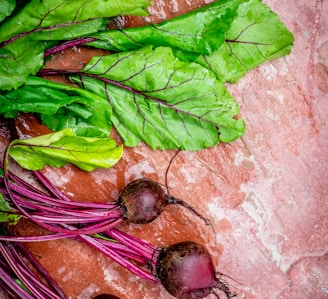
(266, 193)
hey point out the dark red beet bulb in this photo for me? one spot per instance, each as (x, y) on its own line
(142, 201)
(106, 296)
(186, 270)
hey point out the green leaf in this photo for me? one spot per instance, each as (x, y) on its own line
(163, 101)
(86, 113)
(39, 15)
(18, 60)
(57, 149)
(25, 55)
(201, 31)
(6, 8)
(7, 215)
(40, 24)
(255, 36)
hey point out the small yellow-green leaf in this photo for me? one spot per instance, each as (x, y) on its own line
(57, 149)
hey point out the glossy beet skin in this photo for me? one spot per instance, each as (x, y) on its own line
(142, 201)
(186, 270)
(106, 296)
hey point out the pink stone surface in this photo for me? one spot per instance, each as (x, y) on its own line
(266, 193)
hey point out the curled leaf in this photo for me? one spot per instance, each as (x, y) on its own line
(62, 147)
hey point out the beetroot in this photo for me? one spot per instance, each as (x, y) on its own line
(143, 200)
(106, 296)
(186, 271)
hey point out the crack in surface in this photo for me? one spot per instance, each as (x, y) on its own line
(315, 28)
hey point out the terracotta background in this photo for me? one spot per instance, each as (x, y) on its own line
(266, 193)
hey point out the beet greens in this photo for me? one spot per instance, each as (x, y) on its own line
(37, 25)
(235, 37)
(172, 110)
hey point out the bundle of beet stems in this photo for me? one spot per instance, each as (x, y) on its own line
(185, 269)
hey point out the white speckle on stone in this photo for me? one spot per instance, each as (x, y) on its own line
(70, 194)
(121, 21)
(138, 170)
(214, 208)
(89, 291)
(240, 158)
(175, 5)
(253, 205)
(257, 206)
(269, 71)
(159, 11)
(272, 241)
(110, 274)
(147, 19)
(61, 180)
(273, 116)
(277, 95)
(283, 66)
(68, 276)
(61, 270)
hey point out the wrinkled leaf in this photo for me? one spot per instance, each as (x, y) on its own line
(201, 31)
(232, 37)
(60, 106)
(163, 101)
(256, 35)
(45, 15)
(25, 55)
(40, 24)
(18, 60)
(62, 147)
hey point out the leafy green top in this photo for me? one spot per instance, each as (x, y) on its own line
(38, 25)
(165, 83)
